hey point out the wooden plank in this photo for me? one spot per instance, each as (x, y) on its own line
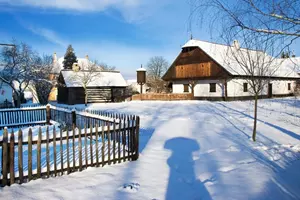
(85, 146)
(97, 151)
(68, 153)
(124, 138)
(91, 143)
(20, 156)
(5, 158)
(128, 137)
(114, 142)
(61, 154)
(47, 152)
(12, 158)
(39, 153)
(103, 145)
(54, 151)
(80, 150)
(119, 140)
(137, 138)
(133, 137)
(73, 148)
(29, 154)
(108, 142)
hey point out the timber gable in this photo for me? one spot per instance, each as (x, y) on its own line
(194, 63)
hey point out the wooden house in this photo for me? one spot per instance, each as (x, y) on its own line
(205, 69)
(107, 87)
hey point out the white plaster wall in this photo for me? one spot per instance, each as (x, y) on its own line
(201, 88)
(5, 93)
(235, 87)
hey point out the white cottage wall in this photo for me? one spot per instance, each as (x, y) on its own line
(5, 93)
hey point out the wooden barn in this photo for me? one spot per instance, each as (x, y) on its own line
(203, 69)
(107, 87)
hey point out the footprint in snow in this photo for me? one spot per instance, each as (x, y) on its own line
(130, 187)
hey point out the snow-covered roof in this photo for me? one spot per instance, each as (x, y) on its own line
(225, 56)
(141, 69)
(103, 79)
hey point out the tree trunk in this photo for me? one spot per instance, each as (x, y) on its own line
(85, 97)
(18, 102)
(255, 118)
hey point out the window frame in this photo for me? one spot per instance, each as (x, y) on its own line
(186, 88)
(245, 87)
(212, 89)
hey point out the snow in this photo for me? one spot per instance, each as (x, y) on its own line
(192, 150)
(104, 79)
(223, 55)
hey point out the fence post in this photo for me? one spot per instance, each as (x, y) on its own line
(73, 117)
(48, 114)
(136, 138)
(5, 157)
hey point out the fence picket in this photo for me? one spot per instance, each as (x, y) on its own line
(103, 145)
(124, 139)
(97, 153)
(108, 142)
(85, 146)
(61, 154)
(39, 153)
(54, 151)
(47, 152)
(30, 155)
(5, 157)
(73, 148)
(128, 138)
(114, 141)
(12, 158)
(91, 144)
(80, 150)
(68, 154)
(20, 155)
(137, 139)
(119, 140)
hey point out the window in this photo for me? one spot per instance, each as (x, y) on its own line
(212, 87)
(185, 87)
(245, 85)
(289, 86)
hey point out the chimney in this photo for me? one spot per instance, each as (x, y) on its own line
(236, 44)
(87, 57)
(54, 58)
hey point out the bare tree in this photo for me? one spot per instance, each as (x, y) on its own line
(277, 18)
(255, 63)
(156, 68)
(107, 67)
(91, 72)
(18, 62)
(42, 78)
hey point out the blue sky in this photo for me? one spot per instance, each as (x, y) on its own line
(123, 33)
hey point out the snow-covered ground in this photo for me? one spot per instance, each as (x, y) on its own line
(193, 150)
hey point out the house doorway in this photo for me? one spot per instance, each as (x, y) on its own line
(270, 94)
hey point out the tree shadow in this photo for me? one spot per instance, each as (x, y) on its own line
(288, 132)
(183, 184)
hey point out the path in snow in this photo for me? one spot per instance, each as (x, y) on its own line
(192, 150)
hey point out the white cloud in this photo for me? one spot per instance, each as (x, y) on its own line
(49, 35)
(131, 10)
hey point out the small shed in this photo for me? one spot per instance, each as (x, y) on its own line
(6, 95)
(109, 86)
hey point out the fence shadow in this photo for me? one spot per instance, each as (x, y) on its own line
(183, 183)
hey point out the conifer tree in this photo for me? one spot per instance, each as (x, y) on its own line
(69, 58)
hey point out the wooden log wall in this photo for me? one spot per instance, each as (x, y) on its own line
(53, 152)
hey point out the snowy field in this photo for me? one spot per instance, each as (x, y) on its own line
(193, 150)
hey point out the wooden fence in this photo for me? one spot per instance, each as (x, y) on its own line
(162, 97)
(49, 151)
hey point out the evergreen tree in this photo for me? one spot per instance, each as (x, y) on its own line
(70, 58)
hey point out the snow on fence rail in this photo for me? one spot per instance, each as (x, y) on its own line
(52, 151)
